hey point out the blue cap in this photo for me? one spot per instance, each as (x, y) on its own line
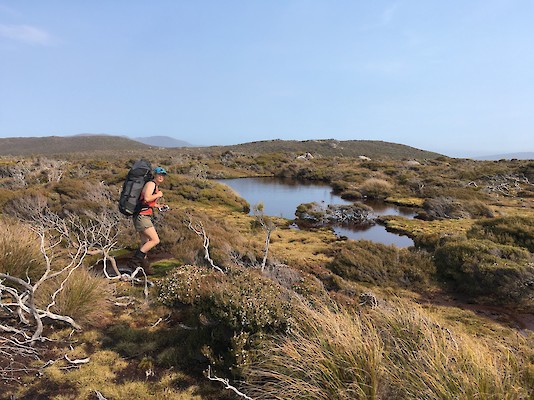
(159, 170)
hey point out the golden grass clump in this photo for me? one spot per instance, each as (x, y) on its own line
(392, 352)
(20, 254)
(84, 297)
(376, 188)
(328, 355)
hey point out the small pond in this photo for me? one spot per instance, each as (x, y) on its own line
(281, 197)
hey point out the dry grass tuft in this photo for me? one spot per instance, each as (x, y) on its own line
(19, 250)
(84, 297)
(394, 352)
(376, 188)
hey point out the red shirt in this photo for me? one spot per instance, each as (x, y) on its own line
(147, 207)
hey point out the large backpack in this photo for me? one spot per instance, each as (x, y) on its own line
(140, 174)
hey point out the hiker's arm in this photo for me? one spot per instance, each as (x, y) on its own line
(148, 192)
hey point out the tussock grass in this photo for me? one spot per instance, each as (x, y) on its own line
(425, 360)
(376, 188)
(393, 352)
(329, 355)
(20, 255)
(84, 297)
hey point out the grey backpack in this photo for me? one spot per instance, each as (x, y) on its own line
(139, 174)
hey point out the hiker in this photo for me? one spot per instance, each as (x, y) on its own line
(143, 220)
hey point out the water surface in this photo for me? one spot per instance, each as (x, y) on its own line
(281, 197)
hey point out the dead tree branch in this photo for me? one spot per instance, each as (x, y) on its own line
(198, 228)
(226, 384)
(268, 226)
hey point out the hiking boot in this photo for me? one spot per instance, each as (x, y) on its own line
(137, 260)
(134, 262)
(147, 267)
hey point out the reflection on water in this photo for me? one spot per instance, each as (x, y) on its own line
(382, 208)
(375, 233)
(281, 197)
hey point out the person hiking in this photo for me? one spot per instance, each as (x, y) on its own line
(143, 222)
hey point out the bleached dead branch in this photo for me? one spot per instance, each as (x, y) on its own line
(226, 384)
(75, 238)
(78, 361)
(198, 228)
(268, 226)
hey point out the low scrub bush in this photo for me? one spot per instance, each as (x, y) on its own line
(451, 208)
(81, 196)
(375, 263)
(317, 215)
(484, 268)
(243, 300)
(205, 191)
(186, 245)
(513, 231)
(6, 195)
(20, 254)
(230, 311)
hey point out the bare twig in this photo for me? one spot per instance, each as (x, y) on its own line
(198, 228)
(226, 384)
(99, 395)
(268, 226)
(79, 361)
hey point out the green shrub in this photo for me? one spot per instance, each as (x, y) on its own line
(375, 263)
(243, 300)
(231, 312)
(451, 208)
(513, 231)
(484, 268)
(205, 191)
(351, 195)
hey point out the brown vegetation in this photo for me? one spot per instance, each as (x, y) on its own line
(317, 318)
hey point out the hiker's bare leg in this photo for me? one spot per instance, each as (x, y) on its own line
(143, 238)
(149, 239)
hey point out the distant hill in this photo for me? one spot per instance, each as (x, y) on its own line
(509, 156)
(162, 141)
(49, 145)
(331, 148)
(86, 143)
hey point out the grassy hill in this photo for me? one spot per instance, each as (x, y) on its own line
(327, 148)
(332, 148)
(61, 145)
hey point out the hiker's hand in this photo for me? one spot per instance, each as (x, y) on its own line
(159, 195)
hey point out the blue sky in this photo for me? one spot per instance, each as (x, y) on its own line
(456, 77)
